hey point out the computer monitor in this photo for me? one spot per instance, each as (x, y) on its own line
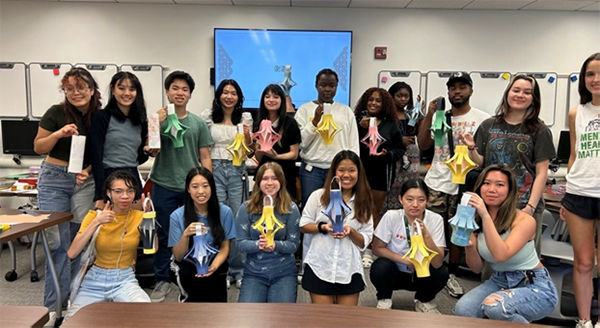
(18, 136)
(564, 147)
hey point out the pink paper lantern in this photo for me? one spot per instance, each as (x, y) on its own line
(266, 136)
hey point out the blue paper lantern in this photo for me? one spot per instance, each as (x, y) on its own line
(202, 252)
(463, 224)
(337, 209)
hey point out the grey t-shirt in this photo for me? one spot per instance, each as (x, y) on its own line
(508, 144)
(128, 137)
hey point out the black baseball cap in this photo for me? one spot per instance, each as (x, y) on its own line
(460, 76)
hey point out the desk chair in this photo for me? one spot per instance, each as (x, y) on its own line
(558, 256)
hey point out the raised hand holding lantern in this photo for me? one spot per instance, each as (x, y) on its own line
(415, 114)
(460, 164)
(267, 224)
(287, 83)
(337, 209)
(439, 124)
(175, 130)
(463, 223)
(202, 252)
(372, 139)
(266, 136)
(147, 228)
(418, 254)
(238, 148)
(327, 127)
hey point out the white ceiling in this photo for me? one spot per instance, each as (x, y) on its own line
(557, 5)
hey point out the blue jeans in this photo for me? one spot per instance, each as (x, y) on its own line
(230, 191)
(518, 302)
(58, 191)
(108, 285)
(165, 202)
(270, 288)
(311, 181)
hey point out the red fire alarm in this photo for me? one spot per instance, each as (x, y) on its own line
(380, 52)
(56, 71)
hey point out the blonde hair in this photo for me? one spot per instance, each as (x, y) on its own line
(283, 201)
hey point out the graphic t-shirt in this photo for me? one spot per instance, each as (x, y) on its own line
(584, 177)
(510, 145)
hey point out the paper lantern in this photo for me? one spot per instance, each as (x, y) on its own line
(175, 130)
(414, 114)
(373, 139)
(337, 209)
(268, 224)
(266, 136)
(327, 127)
(147, 228)
(463, 224)
(460, 164)
(287, 83)
(418, 254)
(202, 252)
(238, 148)
(439, 127)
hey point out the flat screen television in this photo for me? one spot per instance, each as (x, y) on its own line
(256, 58)
(564, 147)
(18, 136)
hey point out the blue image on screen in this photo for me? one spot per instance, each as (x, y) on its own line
(256, 58)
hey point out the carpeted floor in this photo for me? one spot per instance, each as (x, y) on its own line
(24, 292)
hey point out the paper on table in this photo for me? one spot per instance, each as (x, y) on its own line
(76, 155)
(22, 218)
(153, 132)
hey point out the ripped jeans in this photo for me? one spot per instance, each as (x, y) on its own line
(509, 296)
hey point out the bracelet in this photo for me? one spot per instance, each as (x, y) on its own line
(472, 148)
(532, 207)
(320, 229)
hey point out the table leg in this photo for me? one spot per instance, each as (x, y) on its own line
(54, 277)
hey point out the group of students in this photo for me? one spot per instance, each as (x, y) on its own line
(197, 187)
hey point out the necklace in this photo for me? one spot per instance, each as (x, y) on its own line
(123, 236)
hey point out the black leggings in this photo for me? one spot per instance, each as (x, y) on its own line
(201, 290)
(386, 277)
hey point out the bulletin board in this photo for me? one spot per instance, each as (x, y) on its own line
(386, 78)
(573, 99)
(151, 78)
(488, 89)
(13, 89)
(548, 88)
(44, 81)
(102, 73)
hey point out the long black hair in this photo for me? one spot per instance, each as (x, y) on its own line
(263, 112)
(399, 86)
(217, 109)
(137, 113)
(214, 211)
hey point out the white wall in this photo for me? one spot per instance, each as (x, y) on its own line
(180, 37)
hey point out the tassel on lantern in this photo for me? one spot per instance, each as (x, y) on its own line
(337, 209)
(147, 228)
(266, 136)
(268, 224)
(202, 252)
(287, 83)
(238, 148)
(373, 139)
(415, 114)
(460, 164)
(418, 254)
(327, 127)
(175, 130)
(463, 224)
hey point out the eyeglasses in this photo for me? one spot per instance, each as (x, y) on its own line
(120, 192)
(79, 89)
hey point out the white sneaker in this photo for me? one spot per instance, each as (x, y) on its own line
(52, 318)
(385, 303)
(584, 324)
(454, 288)
(228, 283)
(426, 307)
(367, 259)
(238, 283)
(597, 325)
(161, 289)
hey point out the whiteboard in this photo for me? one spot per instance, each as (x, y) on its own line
(573, 99)
(102, 73)
(488, 89)
(548, 88)
(45, 89)
(387, 78)
(436, 85)
(13, 90)
(151, 78)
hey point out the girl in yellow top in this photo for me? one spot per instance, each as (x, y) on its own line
(111, 278)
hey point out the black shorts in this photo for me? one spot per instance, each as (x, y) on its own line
(582, 206)
(312, 284)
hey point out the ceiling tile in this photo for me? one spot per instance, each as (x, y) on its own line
(557, 5)
(201, 2)
(498, 4)
(146, 1)
(438, 4)
(593, 7)
(285, 3)
(322, 3)
(379, 3)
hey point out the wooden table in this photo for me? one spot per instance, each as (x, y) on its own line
(23, 316)
(261, 315)
(19, 230)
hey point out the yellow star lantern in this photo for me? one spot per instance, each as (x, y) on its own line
(327, 127)
(268, 224)
(238, 148)
(418, 254)
(460, 164)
